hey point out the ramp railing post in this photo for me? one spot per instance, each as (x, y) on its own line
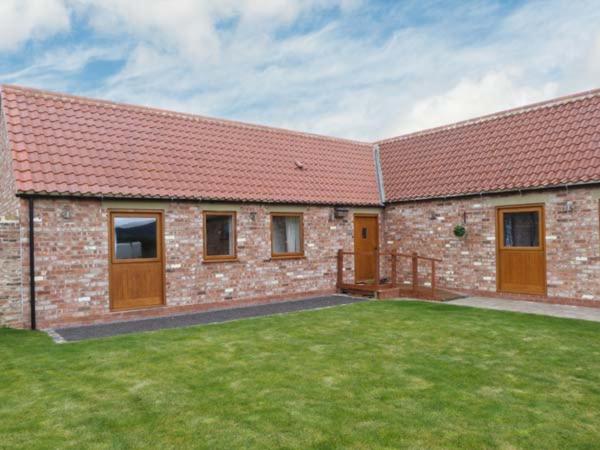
(415, 271)
(394, 274)
(377, 277)
(340, 268)
(433, 278)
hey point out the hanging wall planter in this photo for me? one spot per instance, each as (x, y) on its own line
(459, 231)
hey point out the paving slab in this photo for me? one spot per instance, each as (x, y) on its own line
(185, 320)
(544, 309)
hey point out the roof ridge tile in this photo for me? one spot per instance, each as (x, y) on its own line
(10, 88)
(571, 98)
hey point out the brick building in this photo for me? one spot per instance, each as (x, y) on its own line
(140, 212)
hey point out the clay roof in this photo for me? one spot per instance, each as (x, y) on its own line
(548, 144)
(66, 145)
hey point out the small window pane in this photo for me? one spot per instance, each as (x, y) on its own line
(135, 237)
(219, 235)
(521, 229)
(286, 234)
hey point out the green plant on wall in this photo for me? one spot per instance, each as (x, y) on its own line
(459, 231)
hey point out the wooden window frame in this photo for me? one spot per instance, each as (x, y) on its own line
(501, 210)
(133, 213)
(298, 255)
(219, 258)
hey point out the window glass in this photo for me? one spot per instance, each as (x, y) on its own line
(286, 235)
(521, 229)
(135, 237)
(219, 235)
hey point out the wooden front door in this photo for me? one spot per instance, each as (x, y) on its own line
(366, 241)
(521, 264)
(136, 259)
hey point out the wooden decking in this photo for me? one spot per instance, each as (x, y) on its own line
(391, 288)
(386, 291)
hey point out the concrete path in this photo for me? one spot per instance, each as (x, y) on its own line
(186, 320)
(544, 309)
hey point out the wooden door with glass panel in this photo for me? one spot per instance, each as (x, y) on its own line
(366, 241)
(521, 250)
(136, 260)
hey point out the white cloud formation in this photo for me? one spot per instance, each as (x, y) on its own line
(191, 28)
(24, 20)
(472, 98)
(341, 67)
(52, 69)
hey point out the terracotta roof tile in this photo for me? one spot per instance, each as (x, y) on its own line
(542, 145)
(75, 146)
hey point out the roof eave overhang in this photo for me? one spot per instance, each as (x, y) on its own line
(495, 192)
(94, 196)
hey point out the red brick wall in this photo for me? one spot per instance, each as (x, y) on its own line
(9, 204)
(72, 254)
(72, 261)
(11, 313)
(469, 263)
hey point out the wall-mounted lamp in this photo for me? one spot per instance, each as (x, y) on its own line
(340, 213)
(568, 206)
(66, 213)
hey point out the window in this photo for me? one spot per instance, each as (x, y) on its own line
(521, 229)
(219, 236)
(287, 238)
(135, 237)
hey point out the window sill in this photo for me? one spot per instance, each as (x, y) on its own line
(285, 257)
(220, 261)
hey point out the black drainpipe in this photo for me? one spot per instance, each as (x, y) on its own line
(31, 266)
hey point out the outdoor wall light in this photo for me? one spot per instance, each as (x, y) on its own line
(340, 213)
(66, 213)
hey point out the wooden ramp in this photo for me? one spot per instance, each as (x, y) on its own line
(384, 292)
(392, 288)
(441, 295)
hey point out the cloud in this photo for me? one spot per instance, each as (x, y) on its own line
(25, 20)
(467, 62)
(194, 29)
(56, 68)
(472, 98)
(363, 70)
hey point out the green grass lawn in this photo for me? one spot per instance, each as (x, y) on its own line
(370, 375)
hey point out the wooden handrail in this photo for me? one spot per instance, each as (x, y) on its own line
(415, 257)
(404, 255)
